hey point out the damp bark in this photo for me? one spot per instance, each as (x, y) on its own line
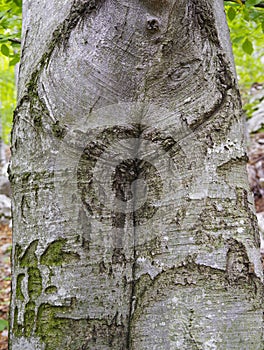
(133, 226)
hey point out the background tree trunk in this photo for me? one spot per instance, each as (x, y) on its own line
(133, 225)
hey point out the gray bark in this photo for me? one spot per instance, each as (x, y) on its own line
(134, 226)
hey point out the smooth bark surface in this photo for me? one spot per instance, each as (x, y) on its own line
(134, 226)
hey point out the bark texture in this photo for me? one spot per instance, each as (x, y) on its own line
(134, 226)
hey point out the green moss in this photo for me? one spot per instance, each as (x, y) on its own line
(54, 255)
(19, 293)
(37, 120)
(59, 332)
(58, 130)
(50, 328)
(25, 177)
(29, 259)
(51, 290)
(29, 319)
(34, 283)
(18, 252)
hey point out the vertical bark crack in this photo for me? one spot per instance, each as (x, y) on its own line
(133, 285)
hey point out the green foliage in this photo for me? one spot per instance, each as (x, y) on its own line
(5, 50)
(247, 46)
(7, 96)
(3, 324)
(253, 2)
(231, 13)
(10, 34)
(251, 106)
(246, 25)
(10, 29)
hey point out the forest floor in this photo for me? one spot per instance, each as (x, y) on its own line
(256, 178)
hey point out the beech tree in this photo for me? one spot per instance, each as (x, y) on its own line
(133, 222)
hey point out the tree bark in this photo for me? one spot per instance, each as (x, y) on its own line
(133, 226)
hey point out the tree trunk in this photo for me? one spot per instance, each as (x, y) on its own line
(134, 227)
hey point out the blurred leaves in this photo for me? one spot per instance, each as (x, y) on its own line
(10, 36)
(7, 95)
(253, 2)
(247, 46)
(231, 13)
(5, 50)
(3, 324)
(10, 27)
(246, 23)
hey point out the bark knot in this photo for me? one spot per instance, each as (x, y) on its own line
(153, 24)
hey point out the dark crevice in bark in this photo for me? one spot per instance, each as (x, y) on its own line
(212, 113)
(200, 14)
(126, 173)
(191, 273)
(133, 282)
(225, 84)
(204, 18)
(242, 202)
(132, 305)
(37, 112)
(80, 10)
(239, 269)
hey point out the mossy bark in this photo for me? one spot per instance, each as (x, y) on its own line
(134, 226)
